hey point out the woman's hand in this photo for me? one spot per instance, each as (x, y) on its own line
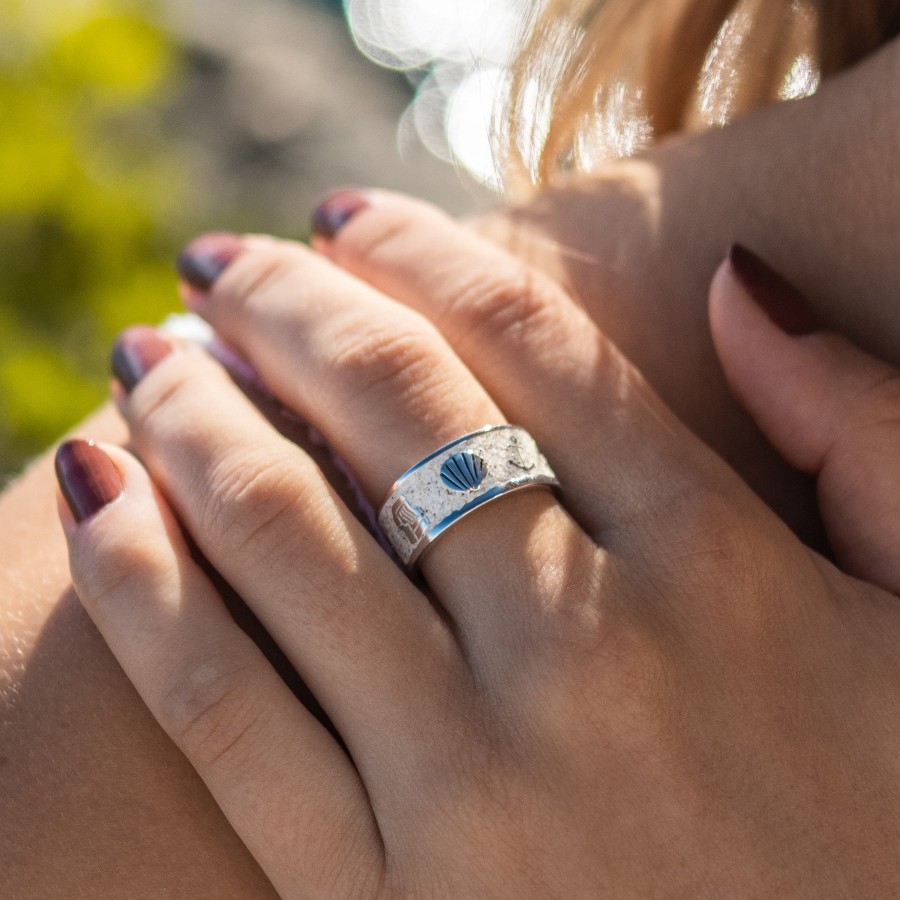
(645, 688)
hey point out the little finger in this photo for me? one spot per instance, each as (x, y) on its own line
(285, 785)
(372, 650)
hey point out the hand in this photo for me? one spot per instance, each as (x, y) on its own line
(619, 245)
(647, 688)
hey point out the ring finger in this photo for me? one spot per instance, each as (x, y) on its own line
(386, 390)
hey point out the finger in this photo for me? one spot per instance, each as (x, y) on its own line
(283, 782)
(386, 391)
(830, 409)
(539, 355)
(370, 647)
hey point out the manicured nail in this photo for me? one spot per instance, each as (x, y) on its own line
(87, 477)
(203, 261)
(136, 352)
(336, 210)
(776, 296)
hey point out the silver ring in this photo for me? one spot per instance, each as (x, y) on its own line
(455, 480)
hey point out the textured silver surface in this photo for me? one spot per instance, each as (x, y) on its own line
(457, 479)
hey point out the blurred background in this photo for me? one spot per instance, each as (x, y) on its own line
(128, 127)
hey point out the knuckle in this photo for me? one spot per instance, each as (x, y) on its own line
(566, 587)
(712, 570)
(253, 507)
(118, 570)
(708, 538)
(213, 710)
(510, 305)
(377, 243)
(153, 406)
(274, 272)
(390, 358)
(168, 399)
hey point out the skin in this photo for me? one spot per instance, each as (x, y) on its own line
(656, 312)
(644, 688)
(809, 185)
(89, 784)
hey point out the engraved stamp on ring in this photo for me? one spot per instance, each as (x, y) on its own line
(409, 519)
(463, 472)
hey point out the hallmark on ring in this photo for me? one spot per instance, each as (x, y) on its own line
(463, 472)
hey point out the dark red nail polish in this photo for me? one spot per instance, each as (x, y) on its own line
(776, 296)
(87, 477)
(336, 210)
(203, 261)
(136, 352)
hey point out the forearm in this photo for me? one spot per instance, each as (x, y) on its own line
(95, 801)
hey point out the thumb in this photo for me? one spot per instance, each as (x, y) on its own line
(829, 408)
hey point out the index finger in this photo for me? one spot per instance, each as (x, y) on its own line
(620, 454)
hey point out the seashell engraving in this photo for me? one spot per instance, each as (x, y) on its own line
(463, 472)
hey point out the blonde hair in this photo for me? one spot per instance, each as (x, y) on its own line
(597, 79)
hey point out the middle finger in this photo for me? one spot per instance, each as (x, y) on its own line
(386, 390)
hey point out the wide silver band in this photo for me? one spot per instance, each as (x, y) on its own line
(455, 480)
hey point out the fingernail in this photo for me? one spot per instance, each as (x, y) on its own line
(87, 477)
(136, 352)
(336, 210)
(204, 259)
(776, 296)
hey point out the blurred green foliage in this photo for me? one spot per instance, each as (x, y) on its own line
(89, 212)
